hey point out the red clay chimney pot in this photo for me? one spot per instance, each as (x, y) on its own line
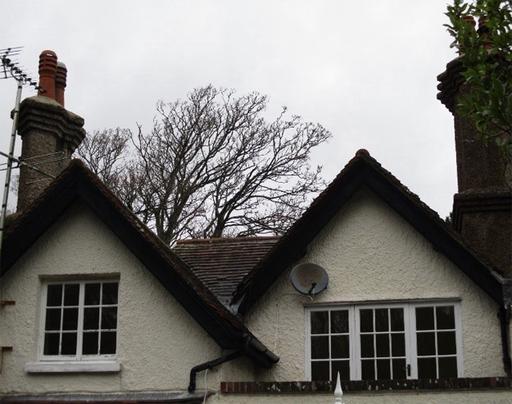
(60, 82)
(47, 68)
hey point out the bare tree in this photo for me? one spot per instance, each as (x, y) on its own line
(104, 152)
(213, 166)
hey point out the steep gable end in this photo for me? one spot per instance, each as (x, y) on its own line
(77, 183)
(365, 171)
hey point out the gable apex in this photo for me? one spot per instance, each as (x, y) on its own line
(78, 183)
(364, 171)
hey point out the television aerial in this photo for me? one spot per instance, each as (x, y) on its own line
(309, 279)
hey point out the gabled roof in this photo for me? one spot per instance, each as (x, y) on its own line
(222, 263)
(77, 183)
(364, 171)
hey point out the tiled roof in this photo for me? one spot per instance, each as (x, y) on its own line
(222, 263)
(78, 183)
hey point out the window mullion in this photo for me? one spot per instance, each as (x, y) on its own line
(410, 334)
(458, 340)
(81, 299)
(61, 317)
(355, 362)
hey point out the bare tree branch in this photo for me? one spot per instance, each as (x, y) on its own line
(212, 166)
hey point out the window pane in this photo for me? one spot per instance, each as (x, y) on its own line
(383, 369)
(319, 322)
(381, 320)
(445, 317)
(446, 343)
(319, 347)
(71, 294)
(366, 319)
(398, 344)
(343, 367)
(108, 343)
(51, 344)
(52, 321)
(92, 293)
(339, 321)
(382, 345)
(426, 343)
(69, 343)
(320, 370)
(397, 319)
(367, 370)
(367, 346)
(70, 321)
(399, 369)
(340, 346)
(448, 367)
(91, 318)
(108, 318)
(54, 295)
(90, 343)
(424, 318)
(426, 368)
(109, 293)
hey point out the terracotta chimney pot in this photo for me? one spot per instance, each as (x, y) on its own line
(60, 82)
(47, 69)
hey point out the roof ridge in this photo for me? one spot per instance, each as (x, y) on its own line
(224, 239)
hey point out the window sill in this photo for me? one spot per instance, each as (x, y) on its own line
(73, 367)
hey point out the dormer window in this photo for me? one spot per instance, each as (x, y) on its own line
(384, 342)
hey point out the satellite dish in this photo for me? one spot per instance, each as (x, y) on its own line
(309, 279)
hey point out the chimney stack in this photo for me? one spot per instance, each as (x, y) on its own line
(482, 208)
(50, 134)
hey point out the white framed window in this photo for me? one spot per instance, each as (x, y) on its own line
(79, 320)
(384, 341)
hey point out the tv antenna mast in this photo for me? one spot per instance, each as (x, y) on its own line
(11, 68)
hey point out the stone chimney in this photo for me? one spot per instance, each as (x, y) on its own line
(482, 208)
(49, 132)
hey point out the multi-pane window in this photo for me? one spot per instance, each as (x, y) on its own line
(330, 345)
(436, 339)
(79, 320)
(382, 342)
(395, 341)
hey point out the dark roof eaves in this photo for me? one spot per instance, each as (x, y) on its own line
(225, 328)
(363, 169)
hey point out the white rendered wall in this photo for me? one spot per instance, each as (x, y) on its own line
(159, 342)
(371, 253)
(368, 250)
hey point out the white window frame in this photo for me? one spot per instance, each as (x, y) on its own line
(409, 330)
(79, 357)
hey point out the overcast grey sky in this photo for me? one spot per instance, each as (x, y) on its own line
(364, 70)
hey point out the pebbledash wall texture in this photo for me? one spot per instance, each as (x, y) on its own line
(373, 251)
(371, 254)
(159, 342)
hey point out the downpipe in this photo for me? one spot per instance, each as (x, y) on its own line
(210, 365)
(504, 316)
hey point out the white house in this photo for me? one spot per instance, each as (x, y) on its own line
(95, 308)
